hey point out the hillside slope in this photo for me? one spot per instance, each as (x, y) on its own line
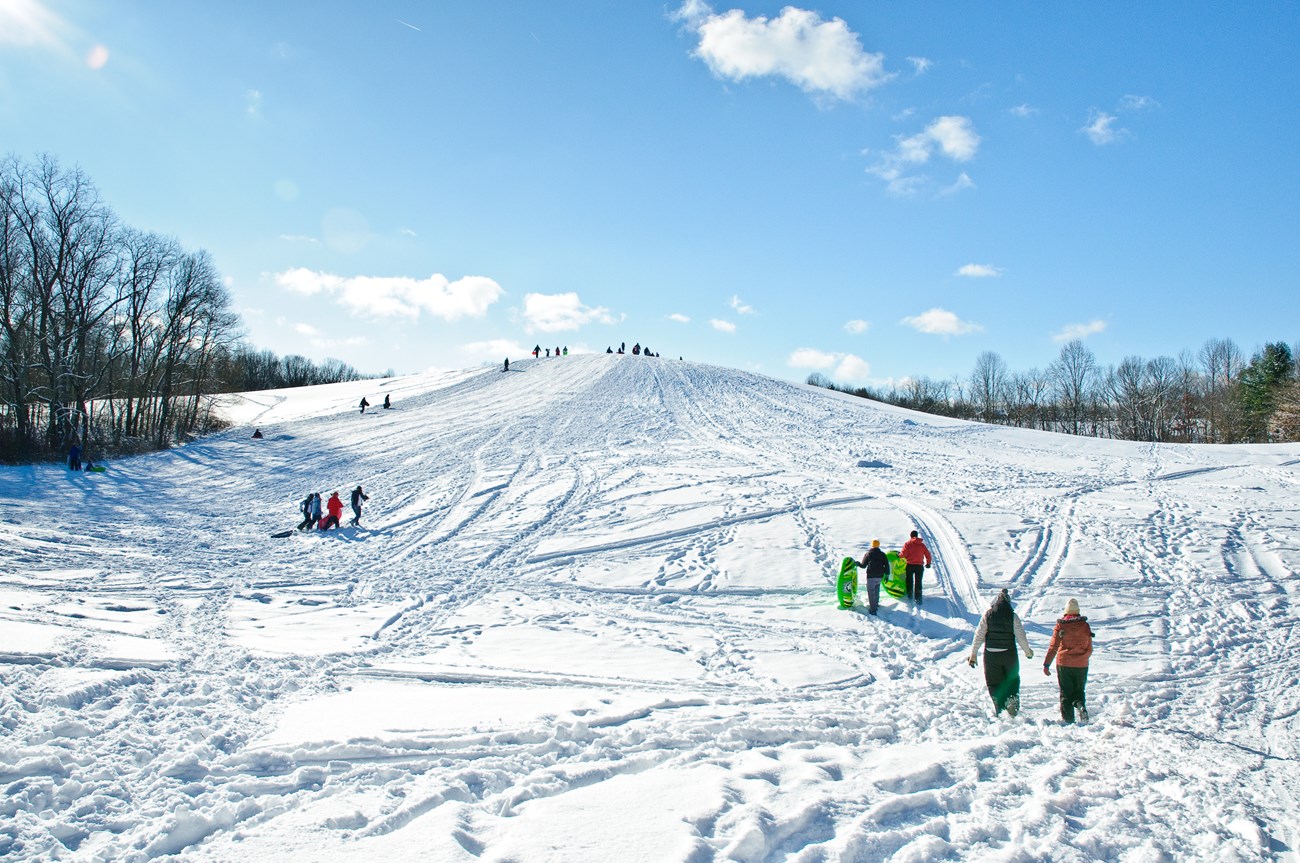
(590, 616)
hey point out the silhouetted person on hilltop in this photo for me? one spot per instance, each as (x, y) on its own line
(506, 368)
(364, 404)
(387, 402)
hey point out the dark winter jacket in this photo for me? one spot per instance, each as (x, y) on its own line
(1071, 643)
(1000, 630)
(876, 563)
(357, 496)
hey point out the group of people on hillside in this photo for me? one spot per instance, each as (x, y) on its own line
(637, 350)
(75, 461)
(311, 510)
(537, 351)
(876, 564)
(365, 403)
(1000, 631)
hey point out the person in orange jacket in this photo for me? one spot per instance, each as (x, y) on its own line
(1071, 645)
(918, 561)
(335, 508)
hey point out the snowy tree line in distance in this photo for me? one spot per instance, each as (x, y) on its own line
(110, 336)
(1213, 396)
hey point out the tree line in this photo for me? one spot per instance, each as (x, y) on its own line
(1216, 395)
(112, 337)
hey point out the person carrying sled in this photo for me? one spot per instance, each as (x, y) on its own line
(357, 496)
(310, 502)
(364, 404)
(1000, 630)
(876, 565)
(1071, 645)
(335, 508)
(918, 561)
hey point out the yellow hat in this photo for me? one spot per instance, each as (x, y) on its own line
(875, 543)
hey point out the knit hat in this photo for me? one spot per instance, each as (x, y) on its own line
(1072, 607)
(875, 543)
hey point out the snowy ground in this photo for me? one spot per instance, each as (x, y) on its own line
(590, 617)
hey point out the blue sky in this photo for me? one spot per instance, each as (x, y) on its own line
(869, 190)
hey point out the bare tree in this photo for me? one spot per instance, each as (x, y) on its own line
(1073, 374)
(988, 382)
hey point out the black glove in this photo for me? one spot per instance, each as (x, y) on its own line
(971, 661)
(927, 566)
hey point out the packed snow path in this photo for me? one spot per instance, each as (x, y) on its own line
(590, 616)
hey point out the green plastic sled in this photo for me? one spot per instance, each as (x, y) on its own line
(846, 586)
(895, 584)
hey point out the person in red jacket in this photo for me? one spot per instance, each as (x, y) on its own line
(918, 561)
(1072, 646)
(335, 508)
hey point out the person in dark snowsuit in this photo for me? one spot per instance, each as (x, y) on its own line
(506, 367)
(1071, 645)
(74, 457)
(364, 404)
(388, 402)
(918, 561)
(876, 564)
(357, 496)
(308, 520)
(1000, 630)
(537, 351)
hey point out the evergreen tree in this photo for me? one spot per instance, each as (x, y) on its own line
(1261, 383)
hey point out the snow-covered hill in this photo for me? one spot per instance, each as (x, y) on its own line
(590, 617)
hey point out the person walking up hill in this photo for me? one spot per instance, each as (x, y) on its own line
(918, 561)
(876, 564)
(1071, 645)
(357, 496)
(1000, 630)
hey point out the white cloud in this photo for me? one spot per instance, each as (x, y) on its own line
(940, 322)
(853, 370)
(920, 64)
(406, 232)
(1022, 110)
(810, 358)
(1079, 331)
(553, 313)
(305, 330)
(253, 103)
(952, 136)
(819, 56)
(722, 326)
(1101, 129)
(979, 271)
(398, 296)
(848, 367)
(961, 184)
(1137, 103)
(493, 350)
(857, 327)
(955, 136)
(679, 318)
(300, 238)
(740, 306)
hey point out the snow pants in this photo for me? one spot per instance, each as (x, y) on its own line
(1072, 681)
(1002, 677)
(873, 594)
(914, 573)
(329, 521)
(308, 523)
(356, 513)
